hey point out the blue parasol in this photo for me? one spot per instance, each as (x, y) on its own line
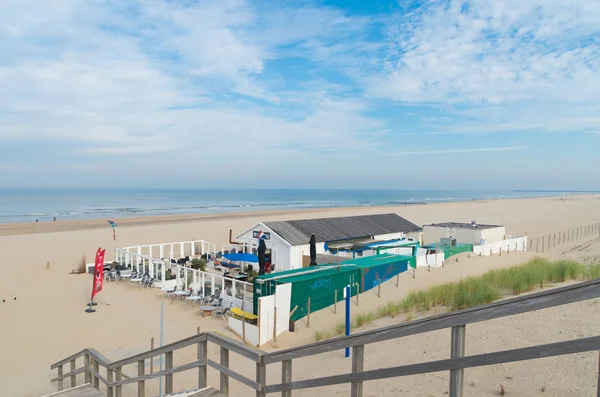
(241, 257)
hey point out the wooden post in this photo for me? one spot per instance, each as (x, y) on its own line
(60, 380)
(261, 378)
(308, 314)
(358, 356)
(537, 243)
(152, 358)
(96, 379)
(543, 243)
(397, 280)
(598, 388)
(357, 293)
(141, 383)
(275, 325)
(202, 371)
(457, 349)
(119, 377)
(73, 377)
(224, 377)
(379, 290)
(244, 328)
(548, 242)
(500, 251)
(86, 362)
(110, 391)
(169, 377)
(335, 302)
(286, 376)
(554, 241)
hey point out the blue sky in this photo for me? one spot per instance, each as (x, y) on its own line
(378, 94)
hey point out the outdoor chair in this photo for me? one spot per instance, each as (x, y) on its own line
(223, 311)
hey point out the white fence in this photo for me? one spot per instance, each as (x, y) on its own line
(504, 246)
(178, 249)
(269, 320)
(432, 260)
(205, 282)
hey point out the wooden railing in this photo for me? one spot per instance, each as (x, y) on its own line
(456, 364)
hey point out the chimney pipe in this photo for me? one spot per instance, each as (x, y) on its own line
(231, 238)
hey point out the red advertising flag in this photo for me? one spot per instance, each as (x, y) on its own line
(98, 273)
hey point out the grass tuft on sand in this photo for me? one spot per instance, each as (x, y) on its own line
(475, 291)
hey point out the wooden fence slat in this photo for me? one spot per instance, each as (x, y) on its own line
(457, 350)
(202, 357)
(96, 367)
(74, 376)
(286, 376)
(60, 378)
(261, 378)
(119, 377)
(224, 376)
(522, 354)
(141, 383)
(234, 375)
(192, 340)
(156, 374)
(358, 357)
(169, 377)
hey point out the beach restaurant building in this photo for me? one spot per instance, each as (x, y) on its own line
(288, 242)
(467, 233)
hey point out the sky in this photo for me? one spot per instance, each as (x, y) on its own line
(308, 94)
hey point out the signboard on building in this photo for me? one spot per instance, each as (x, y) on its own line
(258, 234)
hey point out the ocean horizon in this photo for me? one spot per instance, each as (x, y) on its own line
(29, 205)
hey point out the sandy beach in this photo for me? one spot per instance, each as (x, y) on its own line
(46, 322)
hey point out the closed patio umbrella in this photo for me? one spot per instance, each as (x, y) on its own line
(262, 250)
(313, 251)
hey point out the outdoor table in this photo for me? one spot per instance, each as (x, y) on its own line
(207, 310)
(180, 293)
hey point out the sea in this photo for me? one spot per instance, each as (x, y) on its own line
(29, 205)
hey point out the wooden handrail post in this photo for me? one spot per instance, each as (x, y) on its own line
(224, 377)
(598, 389)
(286, 376)
(152, 359)
(73, 377)
(308, 314)
(202, 356)
(141, 383)
(86, 362)
(96, 378)
(457, 349)
(60, 379)
(335, 301)
(358, 356)
(261, 378)
(110, 390)
(119, 377)
(169, 377)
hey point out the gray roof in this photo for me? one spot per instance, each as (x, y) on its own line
(458, 225)
(342, 228)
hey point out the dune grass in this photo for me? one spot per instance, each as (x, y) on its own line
(475, 291)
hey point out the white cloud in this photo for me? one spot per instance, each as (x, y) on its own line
(526, 58)
(137, 77)
(454, 151)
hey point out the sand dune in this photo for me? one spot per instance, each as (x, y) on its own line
(47, 321)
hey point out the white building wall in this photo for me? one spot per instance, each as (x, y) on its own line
(493, 235)
(390, 236)
(295, 258)
(466, 235)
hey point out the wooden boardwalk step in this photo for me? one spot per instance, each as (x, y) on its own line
(86, 390)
